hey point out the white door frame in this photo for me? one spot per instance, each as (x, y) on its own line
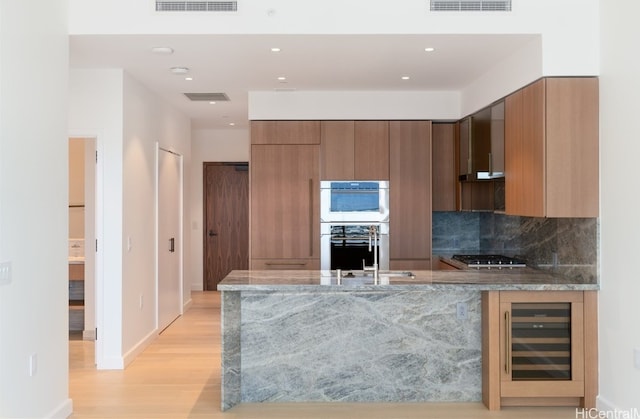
(99, 248)
(180, 244)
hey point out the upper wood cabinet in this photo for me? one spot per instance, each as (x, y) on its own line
(444, 179)
(410, 194)
(551, 149)
(354, 150)
(285, 209)
(285, 132)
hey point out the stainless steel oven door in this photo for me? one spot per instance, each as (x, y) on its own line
(345, 245)
(354, 201)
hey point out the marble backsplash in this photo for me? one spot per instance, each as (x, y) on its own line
(567, 246)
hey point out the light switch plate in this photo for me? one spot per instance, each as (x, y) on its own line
(5, 273)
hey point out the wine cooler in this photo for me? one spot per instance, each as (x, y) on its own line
(539, 348)
(539, 343)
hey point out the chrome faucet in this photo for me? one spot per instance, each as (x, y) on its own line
(373, 247)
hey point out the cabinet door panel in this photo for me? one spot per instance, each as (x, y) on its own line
(513, 153)
(336, 150)
(443, 167)
(410, 190)
(533, 151)
(371, 150)
(285, 132)
(284, 201)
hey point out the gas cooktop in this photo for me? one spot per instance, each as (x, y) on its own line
(490, 261)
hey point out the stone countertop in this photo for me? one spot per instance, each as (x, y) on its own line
(525, 279)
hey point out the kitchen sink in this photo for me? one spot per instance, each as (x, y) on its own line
(367, 278)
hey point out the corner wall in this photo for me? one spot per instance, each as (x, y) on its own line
(620, 204)
(34, 209)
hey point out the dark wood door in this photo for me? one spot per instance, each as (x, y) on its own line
(226, 220)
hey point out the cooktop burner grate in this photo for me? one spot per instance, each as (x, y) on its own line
(490, 261)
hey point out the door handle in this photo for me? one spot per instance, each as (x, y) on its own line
(212, 233)
(172, 244)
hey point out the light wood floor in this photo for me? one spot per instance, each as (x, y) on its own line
(178, 376)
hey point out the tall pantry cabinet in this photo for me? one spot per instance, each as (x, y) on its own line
(285, 209)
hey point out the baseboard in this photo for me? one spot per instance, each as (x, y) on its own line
(63, 411)
(197, 287)
(89, 334)
(186, 305)
(604, 405)
(139, 348)
(609, 410)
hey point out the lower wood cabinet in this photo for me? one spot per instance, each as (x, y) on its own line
(539, 348)
(285, 264)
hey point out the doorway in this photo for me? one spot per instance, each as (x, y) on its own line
(83, 222)
(169, 238)
(226, 220)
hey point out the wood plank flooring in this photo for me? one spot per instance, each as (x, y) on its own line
(178, 376)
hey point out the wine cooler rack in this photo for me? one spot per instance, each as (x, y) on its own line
(540, 344)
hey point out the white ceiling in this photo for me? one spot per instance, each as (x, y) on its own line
(237, 64)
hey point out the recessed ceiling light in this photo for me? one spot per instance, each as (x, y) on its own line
(405, 77)
(179, 70)
(212, 103)
(429, 49)
(282, 78)
(275, 49)
(188, 78)
(162, 50)
(233, 124)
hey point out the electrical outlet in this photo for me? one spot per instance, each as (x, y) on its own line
(33, 364)
(5, 273)
(462, 311)
(636, 357)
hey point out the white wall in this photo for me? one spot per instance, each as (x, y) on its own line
(354, 105)
(146, 121)
(95, 110)
(127, 120)
(227, 145)
(34, 208)
(620, 206)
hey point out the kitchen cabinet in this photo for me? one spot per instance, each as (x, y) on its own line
(354, 150)
(551, 149)
(410, 194)
(285, 219)
(444, 178)
(76, 297)
(285, 132)
(539, 348)
(481, 160)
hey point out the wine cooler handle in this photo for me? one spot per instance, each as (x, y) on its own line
(507, 341)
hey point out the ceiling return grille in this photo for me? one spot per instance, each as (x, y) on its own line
(471, 5)
(196, 6)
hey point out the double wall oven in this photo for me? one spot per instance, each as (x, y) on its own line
(354, 223)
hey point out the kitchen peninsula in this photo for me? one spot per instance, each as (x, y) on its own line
(293, 336)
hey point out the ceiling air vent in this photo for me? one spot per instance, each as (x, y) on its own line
(196, 6)
(208, 97)
(471, 5)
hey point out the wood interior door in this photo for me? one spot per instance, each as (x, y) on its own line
(226, 220)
